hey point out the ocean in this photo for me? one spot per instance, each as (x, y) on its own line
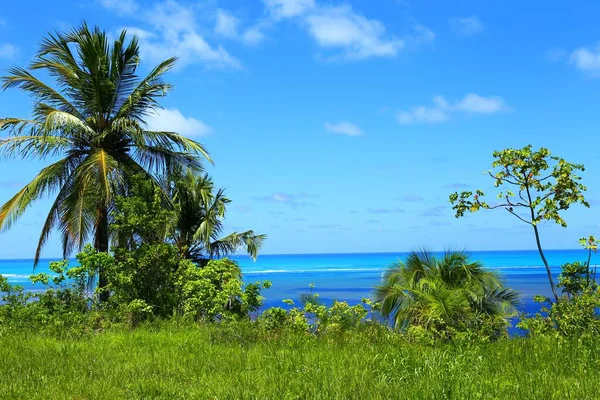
(351, 277)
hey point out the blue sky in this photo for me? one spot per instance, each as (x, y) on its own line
(342, 126)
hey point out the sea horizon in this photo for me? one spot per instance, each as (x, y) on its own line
(353, 276)
(240, 254)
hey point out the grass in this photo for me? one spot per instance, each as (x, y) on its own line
(220, 363)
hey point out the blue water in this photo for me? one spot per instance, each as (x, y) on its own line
(351, 277)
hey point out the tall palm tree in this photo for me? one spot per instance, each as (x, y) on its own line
(92, 119)
(198, 223)
(444, 293)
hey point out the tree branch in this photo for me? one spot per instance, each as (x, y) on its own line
(518, 216)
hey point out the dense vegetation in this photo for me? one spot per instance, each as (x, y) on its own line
(233, 362)
(155, 308)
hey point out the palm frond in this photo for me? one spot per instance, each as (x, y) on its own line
(50, 178)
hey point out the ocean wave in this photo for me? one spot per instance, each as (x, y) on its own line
(375, 269)
(300, 271)
(9, 276)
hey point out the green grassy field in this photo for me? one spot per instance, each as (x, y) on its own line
(217, 363)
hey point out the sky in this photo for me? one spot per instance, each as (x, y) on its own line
(343, 126)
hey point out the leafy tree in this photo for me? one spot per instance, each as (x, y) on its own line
(538, 187)
(185, 211)
(576, 278)
(92, 118)
(445, 296)
(198, 222)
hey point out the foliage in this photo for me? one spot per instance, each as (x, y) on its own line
(154, 281)
(198, 219)
(147, 283)
(537, 183)
(576, 314)
(316, 317)
(92, 118)
(574, 317)
(183, 210)
(445, 297)
(216, 291)
(65, 303)
(574, 278)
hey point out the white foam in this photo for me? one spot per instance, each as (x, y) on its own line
(291, 271)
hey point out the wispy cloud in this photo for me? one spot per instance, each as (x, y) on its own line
(168, 28)
(228, 26)
(437, 211)
(438, 223)
(171, 119)
(121, 7)
(442, 110)
(290, 200)
(289, 8)
(587, 60)
(343, 128)
(412, 198)
(356, 37)
(327, 226)
(171, 30)
(297, 219)
(394, 210)
(467, 26)
(347, 34)
(8, 51)
(372, 221)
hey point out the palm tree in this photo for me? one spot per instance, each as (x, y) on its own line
(198, 223)
(444, 294)
(92, 119)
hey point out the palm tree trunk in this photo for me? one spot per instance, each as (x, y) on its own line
(101, 244)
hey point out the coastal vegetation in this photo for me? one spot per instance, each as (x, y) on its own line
(445, 296)
(93, 116)
(540, 184)
(155, 309)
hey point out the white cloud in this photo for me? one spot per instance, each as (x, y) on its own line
(587, 59)
(291, 200)
(354, 36)
(174, 33)
(467, 26)
(227, 24)
(473, 103)
(171, 30)
(442, 110)
(358, 37)
(344, 128)
(171, 120)
(253, 36)
(289, 8)
(121, 7)
(8, 51)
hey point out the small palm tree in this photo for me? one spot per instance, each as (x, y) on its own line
(445, 294)
(92, 119)
(198, 224)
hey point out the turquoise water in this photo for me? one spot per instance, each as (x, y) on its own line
(351, 277)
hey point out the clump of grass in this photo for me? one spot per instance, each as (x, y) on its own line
(221, 362)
